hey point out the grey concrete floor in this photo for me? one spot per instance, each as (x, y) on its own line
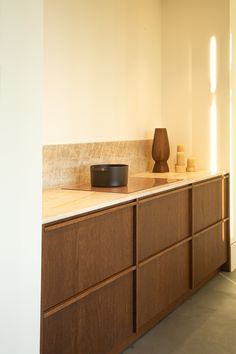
(204, 324)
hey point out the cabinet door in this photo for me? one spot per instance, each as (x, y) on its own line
(162, 282)
(207, 204)
(83, 253)
(226, 197)
(94, 325)
(163, 221)
(210, 252)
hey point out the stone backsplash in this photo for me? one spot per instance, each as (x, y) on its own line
(69, 164)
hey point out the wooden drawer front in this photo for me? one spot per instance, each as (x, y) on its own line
(210, 252)
(227, 232)
(207, 205)
(226, 198)
(163, 222)
(163, 281)
(95, 324)
(78, 256)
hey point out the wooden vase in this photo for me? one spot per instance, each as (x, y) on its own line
(160, 150)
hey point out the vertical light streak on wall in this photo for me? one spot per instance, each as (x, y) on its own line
(230, 52)
(213, 134)
(213, 77)
(213, 110)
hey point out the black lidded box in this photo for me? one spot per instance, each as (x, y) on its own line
(109, 175)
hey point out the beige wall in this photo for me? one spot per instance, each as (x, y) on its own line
(233, 134)
(188, 26)
(177, 73)
(102, 70)
(115, 70)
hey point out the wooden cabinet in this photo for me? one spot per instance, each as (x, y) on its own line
(211, 236)
(93, 325)
(210, 252)
(207, 203)
(163, 221)
(110, 275)
(83, 252)
(88, 282)
(162, 281)
(226, 197)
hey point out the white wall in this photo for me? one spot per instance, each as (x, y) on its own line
(102, 70)
(188, 26)
(20, 150)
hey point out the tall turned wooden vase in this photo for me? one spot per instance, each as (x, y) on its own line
(160, 150)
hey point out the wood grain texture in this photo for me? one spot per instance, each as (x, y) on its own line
(210, 252)
(207, 206)
(162, 282)
(163, 222)
(226, 228)
(87, 292)
(119, 271)
(226, 197)
(86, 216)
(94, 325)
(78, 256)
(160, 150)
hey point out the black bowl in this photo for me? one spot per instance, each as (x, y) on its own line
(109, 175)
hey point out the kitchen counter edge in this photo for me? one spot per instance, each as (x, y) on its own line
(57, 205)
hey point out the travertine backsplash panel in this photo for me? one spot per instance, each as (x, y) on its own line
(69, 164)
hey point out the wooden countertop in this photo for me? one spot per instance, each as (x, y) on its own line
(60, 204)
